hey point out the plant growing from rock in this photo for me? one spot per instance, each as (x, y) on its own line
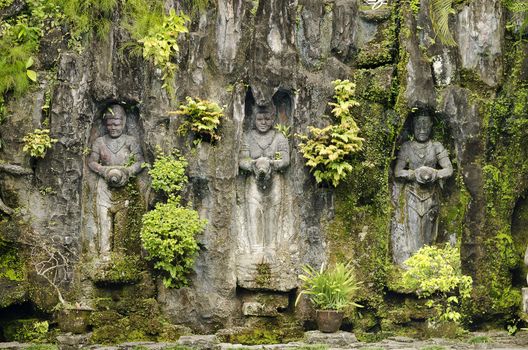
(328, 150)
(201, 117)
(161, 44)
(169, 230)
(37, 143)
(439, 11)
(436, 273)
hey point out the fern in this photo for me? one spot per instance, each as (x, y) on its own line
(440, 11)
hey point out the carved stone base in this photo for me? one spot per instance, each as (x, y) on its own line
(525, 300)
(258, 271)
(268, 305)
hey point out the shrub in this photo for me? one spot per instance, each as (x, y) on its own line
(168, 235)
(436, 272)
(37, 143)
(330, 289)
(168, 173)
(169, 230)
(201, 117)
(328, 150)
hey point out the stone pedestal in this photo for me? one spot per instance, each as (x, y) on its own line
(255, 272)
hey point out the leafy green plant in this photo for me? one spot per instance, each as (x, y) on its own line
(439, 11)
(436, 273)
(37, 143)
(161, 43)
(169, 230)
(283, 129)
(201, 117)
(168, 235)
(329, 289)
(31, 74)
(328, 150)
(168, 172)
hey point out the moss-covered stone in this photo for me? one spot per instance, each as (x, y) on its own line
(119, 269)
(26, 330)
(381, 50)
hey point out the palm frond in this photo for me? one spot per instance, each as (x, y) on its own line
(439, 11)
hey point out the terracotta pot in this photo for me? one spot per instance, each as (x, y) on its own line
(328, 321)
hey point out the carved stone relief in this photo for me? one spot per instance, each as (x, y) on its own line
(115, 159)
(421, 166)
(265, 223)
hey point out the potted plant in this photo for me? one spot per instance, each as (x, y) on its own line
(331, 290)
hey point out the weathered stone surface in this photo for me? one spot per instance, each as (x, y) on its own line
(338, 339)
(480, 37)
(202, 342)
(72, 341)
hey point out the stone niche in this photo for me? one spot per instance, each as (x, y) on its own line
(267, 243)
(114, 194)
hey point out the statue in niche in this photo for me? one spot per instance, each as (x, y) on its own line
(264, 153)
(115, 157)
(421, 165)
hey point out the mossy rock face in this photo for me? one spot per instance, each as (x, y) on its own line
(374, 84)
(260, 330)
(119, 319)
(381, 50)
(119, 269)
(12, 292)
(74, 320)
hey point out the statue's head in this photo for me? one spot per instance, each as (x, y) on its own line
(422, 125)
(264, 117)
(115, 120)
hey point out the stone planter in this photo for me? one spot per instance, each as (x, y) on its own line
(74, 320)
(328, 321)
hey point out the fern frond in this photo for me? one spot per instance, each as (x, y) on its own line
(439, 11)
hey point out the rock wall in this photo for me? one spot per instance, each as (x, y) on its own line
(297, 47)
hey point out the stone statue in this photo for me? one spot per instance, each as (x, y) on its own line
(115, 157)
(264, 153)
(421, 165)
(14, 170)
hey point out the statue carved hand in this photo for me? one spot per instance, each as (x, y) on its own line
(116, 176)
(262, 168)
(425, 175)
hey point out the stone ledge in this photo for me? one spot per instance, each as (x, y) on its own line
(338, 339)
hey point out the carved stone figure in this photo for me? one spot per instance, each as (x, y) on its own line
(264, 153)
(115, 157)
(421, 165)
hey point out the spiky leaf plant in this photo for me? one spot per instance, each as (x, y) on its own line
(439, 11)
(329, 289)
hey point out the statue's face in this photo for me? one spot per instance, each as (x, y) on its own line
(115, 126)
(263, 122)
(422, 128)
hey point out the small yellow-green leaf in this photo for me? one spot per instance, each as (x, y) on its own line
(32, 75)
